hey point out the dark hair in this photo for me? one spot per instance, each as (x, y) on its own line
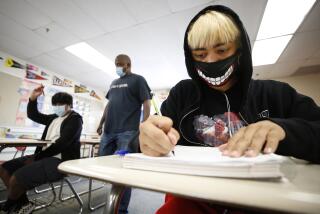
(62, 98)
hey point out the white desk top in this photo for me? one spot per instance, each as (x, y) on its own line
(7, 141)
(90, 141)
(299, 192)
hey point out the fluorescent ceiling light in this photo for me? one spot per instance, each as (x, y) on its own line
(93, 57)
(268, 51)
(283, 17)
(280, 21)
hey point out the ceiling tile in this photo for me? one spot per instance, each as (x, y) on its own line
(76, 64)
(70, 16)
(312, 20)
(179, 5)
(24, 35)
(51, 64)
(285, 69)
(111, 15)
(16, 48)
(151, 9)
(316, 54)
(57, 34)
(311, 62)
(98, 80)
(262, 72)
(23, 13)
(302, 46)
(250, 16)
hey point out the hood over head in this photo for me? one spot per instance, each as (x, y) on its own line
(244, 69)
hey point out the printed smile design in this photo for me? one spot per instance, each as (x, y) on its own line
(218, 80)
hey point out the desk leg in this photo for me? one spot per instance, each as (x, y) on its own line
(114, 199)
(2, 147)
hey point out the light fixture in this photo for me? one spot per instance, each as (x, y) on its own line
(87, 53)
(283, 17)
(267, 51)
(280, 21)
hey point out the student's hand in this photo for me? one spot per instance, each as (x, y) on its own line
(157, 137)
(36, 92)
(99, 130)
(251, 140)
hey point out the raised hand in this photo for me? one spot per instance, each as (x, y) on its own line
(37, 92)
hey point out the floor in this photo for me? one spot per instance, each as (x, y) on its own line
(142, 201)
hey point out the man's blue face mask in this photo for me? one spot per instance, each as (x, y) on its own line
(59, 110)
(120, 71)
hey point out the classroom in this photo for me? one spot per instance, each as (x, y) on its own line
(159, 106)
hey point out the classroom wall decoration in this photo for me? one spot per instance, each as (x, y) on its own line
(94, 94)
(24, 91)
(80, 89)
(9, 62)
(59, 82)
(44, 74)
(31, 75)
(33, 72)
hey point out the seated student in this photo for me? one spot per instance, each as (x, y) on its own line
(63, 129)
(222, 106)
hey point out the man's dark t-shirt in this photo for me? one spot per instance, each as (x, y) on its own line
(126, 95)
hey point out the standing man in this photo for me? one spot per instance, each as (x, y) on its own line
(121, 117)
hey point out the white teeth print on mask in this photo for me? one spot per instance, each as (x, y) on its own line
(218, 80)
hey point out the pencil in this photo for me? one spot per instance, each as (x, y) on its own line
(158, 112)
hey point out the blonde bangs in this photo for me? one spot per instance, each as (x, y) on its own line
(212, 28)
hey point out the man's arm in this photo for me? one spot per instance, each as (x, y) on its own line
(32, 108)
(103, 118)
(146, 109)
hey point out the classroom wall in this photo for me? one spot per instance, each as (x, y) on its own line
(8, 95)
(12, 81)
(305, 84)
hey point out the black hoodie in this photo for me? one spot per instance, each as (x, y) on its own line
(68, 144)
(297, 114)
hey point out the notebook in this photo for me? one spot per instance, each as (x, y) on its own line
(207, 161)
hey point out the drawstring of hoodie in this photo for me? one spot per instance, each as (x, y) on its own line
(229, 120)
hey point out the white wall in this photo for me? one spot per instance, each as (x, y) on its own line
(9, 97)
(307, 84)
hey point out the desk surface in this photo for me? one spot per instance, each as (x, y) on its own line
(15, 142)
(90, 141)
(298, 192)
(18, 141)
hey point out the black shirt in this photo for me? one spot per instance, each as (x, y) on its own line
(126, 95)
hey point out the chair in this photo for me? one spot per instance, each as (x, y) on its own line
(21, 149)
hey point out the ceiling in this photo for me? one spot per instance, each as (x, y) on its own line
(149, 31)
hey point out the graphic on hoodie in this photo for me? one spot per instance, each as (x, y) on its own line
(216, 130)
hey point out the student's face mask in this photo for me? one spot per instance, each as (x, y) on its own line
(59, 110)
(120, 71)
(216, 73)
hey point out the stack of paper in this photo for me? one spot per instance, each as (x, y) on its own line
(207, 161)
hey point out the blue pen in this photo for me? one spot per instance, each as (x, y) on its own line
(121, 152)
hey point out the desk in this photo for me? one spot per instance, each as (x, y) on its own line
(299, 192)
(14, 142)
(92, 143)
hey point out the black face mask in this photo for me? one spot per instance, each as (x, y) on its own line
(216, 69)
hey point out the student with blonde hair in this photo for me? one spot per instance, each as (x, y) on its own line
(222, 106)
